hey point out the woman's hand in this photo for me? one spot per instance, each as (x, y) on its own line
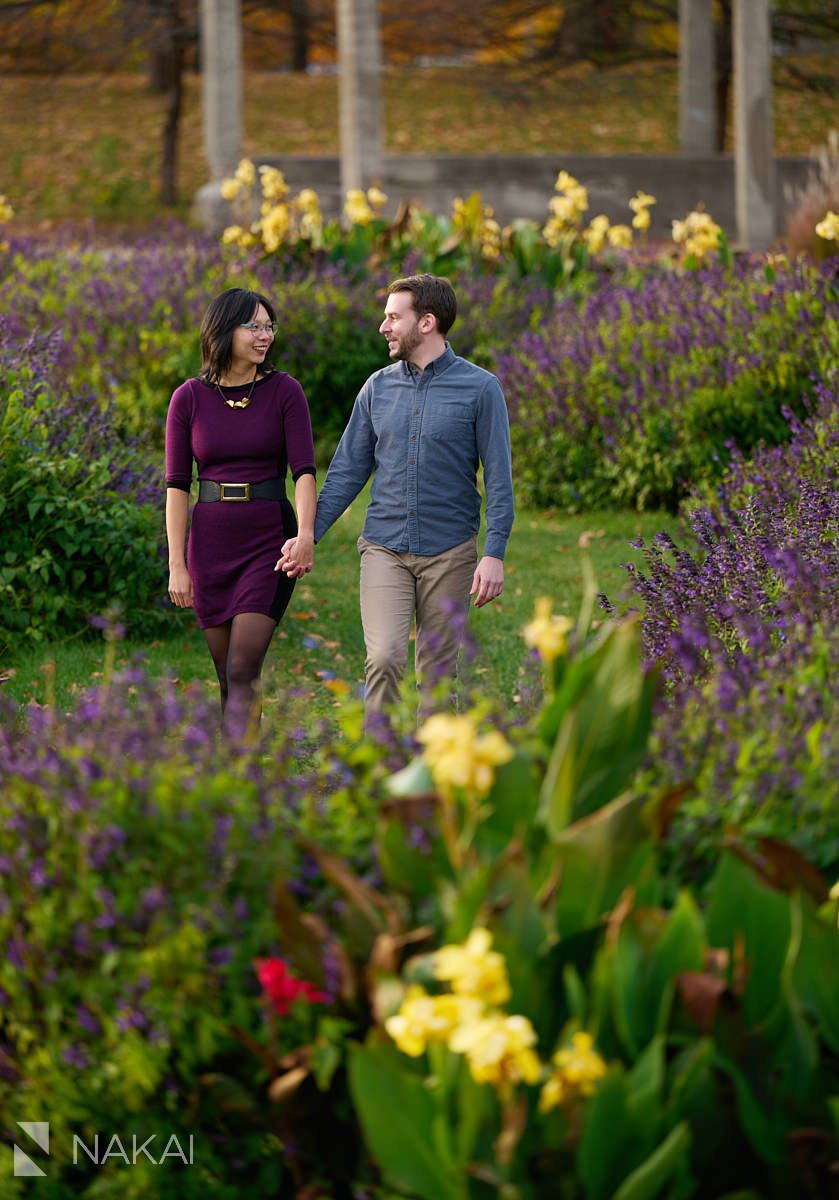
(297, 556)
(180, 587)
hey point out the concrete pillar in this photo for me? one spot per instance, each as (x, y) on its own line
(221, 66)
(754, 152)
(359, 93)
(696, 77)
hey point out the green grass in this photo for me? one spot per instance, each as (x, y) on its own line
(320, 636)
(82, 146)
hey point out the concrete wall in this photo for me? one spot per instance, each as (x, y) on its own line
(521, 185)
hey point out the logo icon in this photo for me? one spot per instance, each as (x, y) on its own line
(39, 1131)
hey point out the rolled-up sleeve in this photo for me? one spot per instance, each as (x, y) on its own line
(493, 438)
(351, 466)
(179, 440)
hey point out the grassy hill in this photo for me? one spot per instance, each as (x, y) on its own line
(76, 147)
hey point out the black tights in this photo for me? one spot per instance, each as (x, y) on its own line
(238, 648)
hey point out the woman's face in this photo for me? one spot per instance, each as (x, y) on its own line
(251, 342)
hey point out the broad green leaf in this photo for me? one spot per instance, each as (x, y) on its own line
(815, 975)
(746, 917)
(511, 806)
(668, 1162)
(767, 1133)
(596, 858)
(614, 1140)
(650, 954)
(602, 714)
(399, 1116)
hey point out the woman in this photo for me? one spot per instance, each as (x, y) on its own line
(244, 423)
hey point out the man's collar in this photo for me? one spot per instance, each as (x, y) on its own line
(437, 365)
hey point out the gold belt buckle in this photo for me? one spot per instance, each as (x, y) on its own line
(246, 491)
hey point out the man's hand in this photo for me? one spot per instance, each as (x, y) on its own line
(488, 580)
(297, 556)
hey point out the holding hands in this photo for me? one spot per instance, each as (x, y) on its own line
(297, 555)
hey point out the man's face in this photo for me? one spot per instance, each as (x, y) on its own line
(401, 326)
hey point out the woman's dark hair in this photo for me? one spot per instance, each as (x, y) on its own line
(235, 307)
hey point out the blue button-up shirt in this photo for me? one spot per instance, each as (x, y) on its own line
(423, 434)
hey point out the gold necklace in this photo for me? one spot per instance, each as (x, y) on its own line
(245, 401)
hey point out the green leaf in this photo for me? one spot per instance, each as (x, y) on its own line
(767, 1134)
(650, 954)
(667, 1162)
(602, 715)
(398, 1117)
(614, 1140)
(413, 780)
(746, 917)
(511, 805)
(596, 858)
(815, 975)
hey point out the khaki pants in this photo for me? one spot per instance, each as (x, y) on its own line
(394, 589)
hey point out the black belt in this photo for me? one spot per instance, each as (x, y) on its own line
(266, 489)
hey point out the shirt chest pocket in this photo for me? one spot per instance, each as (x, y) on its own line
(449, 421)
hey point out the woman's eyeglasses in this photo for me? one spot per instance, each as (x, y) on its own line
(259, 326)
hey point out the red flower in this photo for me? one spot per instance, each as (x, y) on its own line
(281, 988)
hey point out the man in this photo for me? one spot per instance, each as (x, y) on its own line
(421, 425)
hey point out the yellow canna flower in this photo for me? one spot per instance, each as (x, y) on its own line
(230, 189)
(458, 757)
(6, 210)
(641, 201)
(698, 233)
(308, 201)
(233, 233)
(564, 181)
(376, 197)
(275, 226)
(828, 227)
(563, 208)
(311, 226)
(576, 1071)
(548, 631)
(245, 173)
(641, 220)
(620, 236)
(423, 1019)
(595, 235)
(499, 1050)
(274, 186)
(356, 208)
(474, 969)
(579, 198)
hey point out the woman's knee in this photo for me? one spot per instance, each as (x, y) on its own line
(242, 670)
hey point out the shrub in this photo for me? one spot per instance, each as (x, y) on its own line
(139, 859)
(631, 395)
(744, 626)
(81, 533)
(510, 1005)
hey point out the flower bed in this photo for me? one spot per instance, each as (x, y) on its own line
(744, 628)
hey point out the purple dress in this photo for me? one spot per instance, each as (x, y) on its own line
(233, 547)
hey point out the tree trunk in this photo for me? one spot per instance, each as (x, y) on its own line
(723, 73)
(176, 44)
(300, 34)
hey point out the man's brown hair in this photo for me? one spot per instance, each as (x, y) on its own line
(431, 294)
